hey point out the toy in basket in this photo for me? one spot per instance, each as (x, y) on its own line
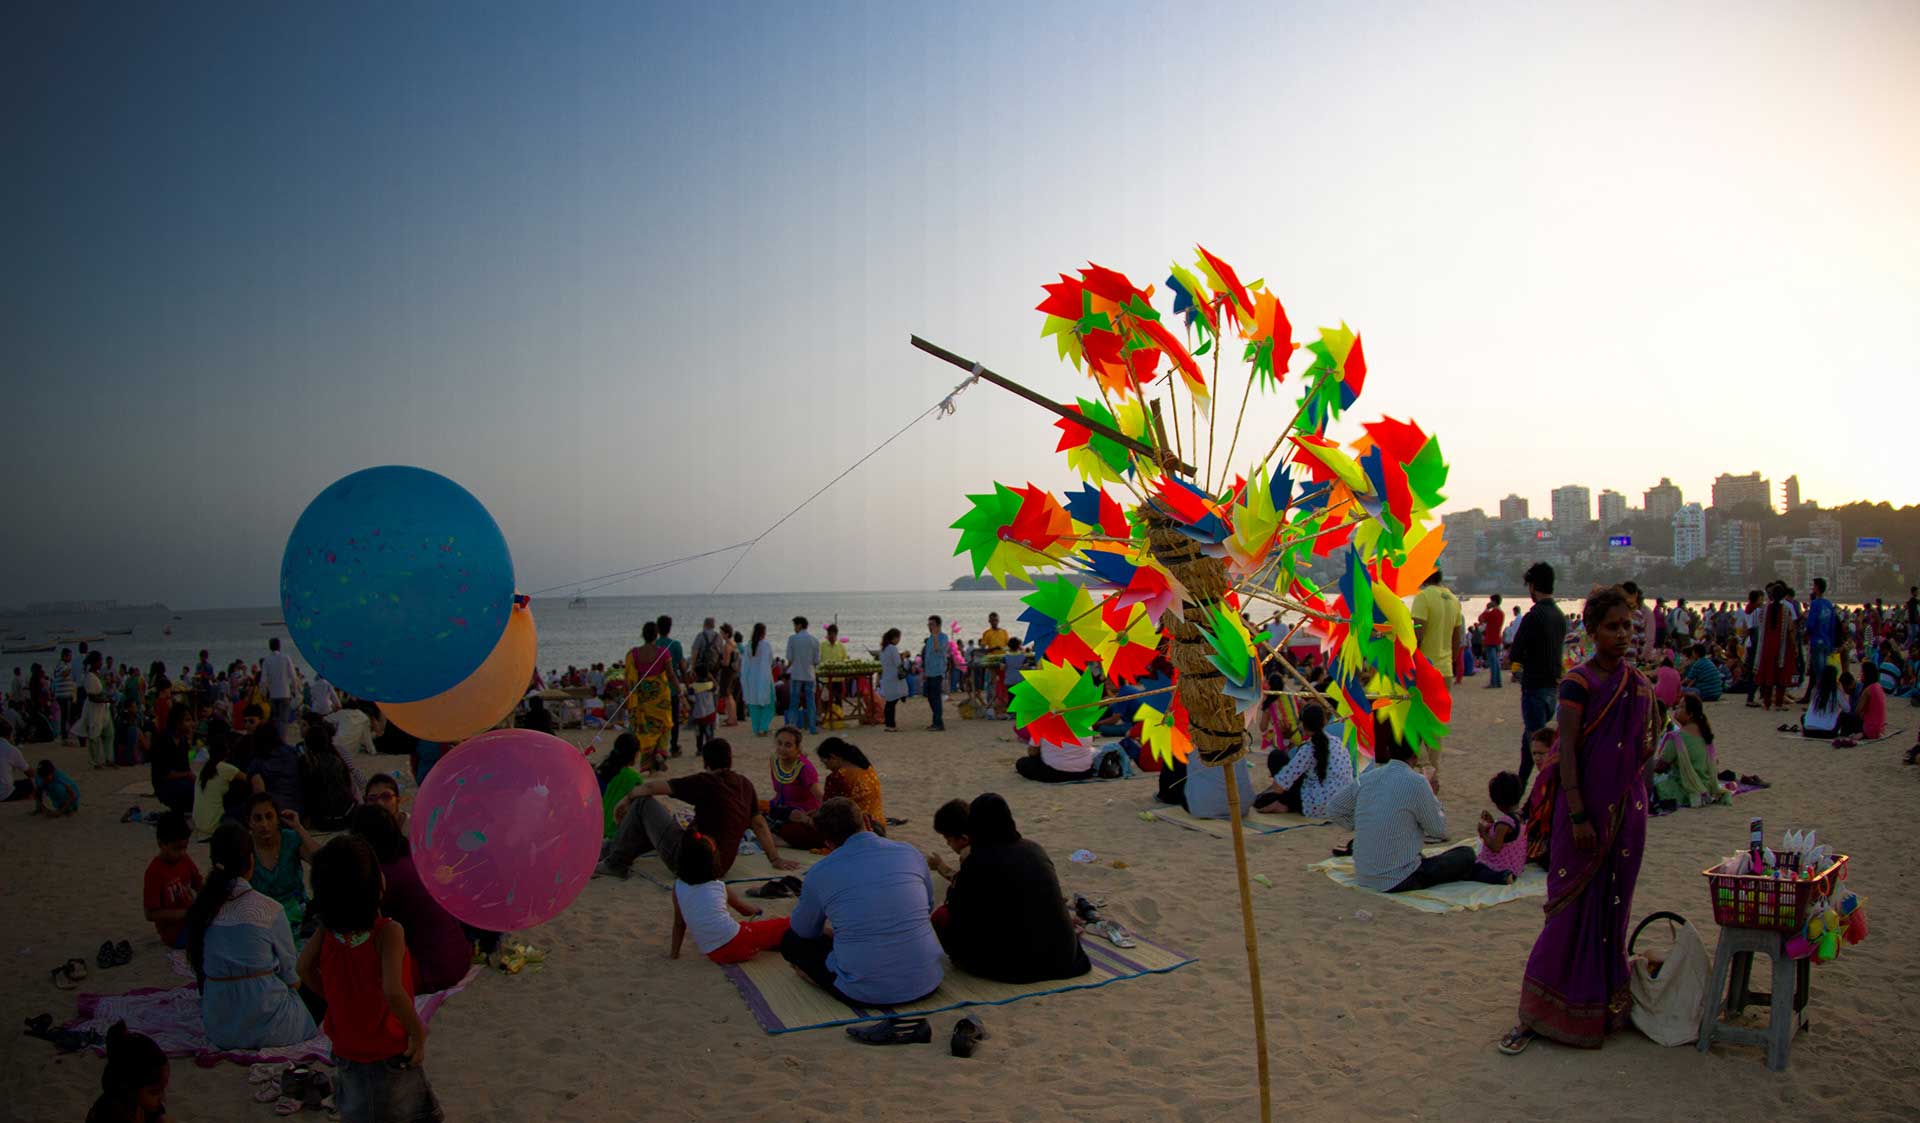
(1796, 889)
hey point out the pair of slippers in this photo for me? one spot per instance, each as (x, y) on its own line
(778, 888)
(1089, 914)
(68, 974)
(291, 1088)
(65, 1040)
(113, 955)
(967, 1033)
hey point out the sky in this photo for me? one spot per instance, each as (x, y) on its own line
(642, 277)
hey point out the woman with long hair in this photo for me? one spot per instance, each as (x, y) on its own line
(1683, 772)
(241, 949)
(1777, 657)
(893, 676)
(850, 775)
(1005, 917)
(756, 681)
(617, 776)
(1827, 706)
(216, 778)
(1574, 989)
(1314, 774)
(651, 688)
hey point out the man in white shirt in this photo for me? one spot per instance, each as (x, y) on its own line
(1392, 811)
(322, 699)
(803, 655)
(276, 673)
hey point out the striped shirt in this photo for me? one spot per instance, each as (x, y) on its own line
(1392, 812)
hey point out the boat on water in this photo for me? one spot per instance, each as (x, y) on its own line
(577, 602)
(273, 623)
(25, 650)
(119, 631)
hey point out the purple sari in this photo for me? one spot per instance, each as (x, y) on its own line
(1575, 987)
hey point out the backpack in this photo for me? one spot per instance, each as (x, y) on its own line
(329, 790)
(706, 657)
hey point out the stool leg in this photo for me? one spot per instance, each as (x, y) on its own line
(1716, 992)
(1780, 1024)
(1740, 987)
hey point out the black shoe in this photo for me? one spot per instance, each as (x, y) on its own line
(893, 1031)
(967, 1035)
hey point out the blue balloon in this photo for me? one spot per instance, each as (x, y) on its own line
(396, 583)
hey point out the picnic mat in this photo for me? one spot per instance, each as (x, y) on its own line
(1889, 735)
(783, 1002)
(143, 788)
(747, 868)
(171, 1016)
(1253, 823)
(1457, 896)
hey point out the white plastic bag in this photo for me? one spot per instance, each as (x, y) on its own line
(1667, 1006)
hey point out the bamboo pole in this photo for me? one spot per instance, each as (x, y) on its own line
(1251, 938)
(1045, 402)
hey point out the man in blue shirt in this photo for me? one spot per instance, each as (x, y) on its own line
(933, 669)
(1823, 629)
(803, 656)
(878, 896)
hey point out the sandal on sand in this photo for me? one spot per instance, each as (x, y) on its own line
(1516, 1041)
(893, 1031)
(106, 956)
(122, 954)
(771, 890)
(39, 1025)
(1112, 933)
(967, 1035)
(68, 974)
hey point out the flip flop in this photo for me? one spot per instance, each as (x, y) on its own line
(771, 890)
(132, 814)
(73, 970)
(967, 1035)
(106, 956)
(893, 1031)
(1113, 934)
(1516, 1041)
(122, 953)
(40, 1025)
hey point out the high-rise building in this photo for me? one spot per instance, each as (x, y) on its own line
(1663, 499)
(1791, 493)
(1572, 508)
(1689, 534)
(1826, 529)
(1465, 537)
(1613, 508)
(1730, 491)
(1513, 509)
(1737, 547)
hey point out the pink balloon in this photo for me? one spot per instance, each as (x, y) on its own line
(506, 830)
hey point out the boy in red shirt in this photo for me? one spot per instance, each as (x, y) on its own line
(1492, 621)
(172, 880)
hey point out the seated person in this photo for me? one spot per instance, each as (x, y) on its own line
(280, 844)
(1049, 763)
(54, 792)
(725, 807)
(950, 823)
(274, 768)
(850, 775)
(1870, 713)
(436, 942)
(241, 949)
(1683, 767)
(1503, 837)
(1392, 812)
(170, 771)
(1206, 787)
(1701, 677)
(700, 904)
(172, 880)
(1826, 706)
(383, 791)
(1312, 774)
(877, 896)
(16, 779)
(616, 776)
(1006, 918)
(796, 787)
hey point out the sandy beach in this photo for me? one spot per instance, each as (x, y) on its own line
(1375, 1010)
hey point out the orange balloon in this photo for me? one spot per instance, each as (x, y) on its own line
(487, 695)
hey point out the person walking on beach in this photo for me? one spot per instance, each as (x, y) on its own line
(803, 655)
(933, 670)
(1574, 989)
(663, 627)
(1491, 622)
(1438, 630)
(1823, 633)
(64, 691)
(1536, 647)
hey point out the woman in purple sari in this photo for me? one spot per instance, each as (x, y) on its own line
(1575, 987)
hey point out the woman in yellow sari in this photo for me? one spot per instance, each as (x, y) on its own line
(650, 705)
(850, 774)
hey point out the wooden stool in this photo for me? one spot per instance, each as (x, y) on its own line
(1732, 973)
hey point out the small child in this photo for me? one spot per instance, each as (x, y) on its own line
(700, 903)
(704, 708)
(358, 962)
(133, 1086)
(1503, 840)
(54, 792)
(172, 880)
(950, 823)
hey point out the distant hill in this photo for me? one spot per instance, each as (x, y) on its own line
(985, 584)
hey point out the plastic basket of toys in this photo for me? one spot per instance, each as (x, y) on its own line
(1770, 903)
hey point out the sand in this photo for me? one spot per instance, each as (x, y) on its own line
(1374, 1011)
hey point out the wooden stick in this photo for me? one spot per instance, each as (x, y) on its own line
(1046, 403)
(1252, 941)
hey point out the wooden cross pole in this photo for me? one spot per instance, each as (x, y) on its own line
(1155, 455)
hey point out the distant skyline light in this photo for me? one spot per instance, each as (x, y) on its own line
(641, 276)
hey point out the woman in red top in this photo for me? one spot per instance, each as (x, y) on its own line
(358, 962)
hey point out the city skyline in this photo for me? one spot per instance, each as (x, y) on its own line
(1777, 492)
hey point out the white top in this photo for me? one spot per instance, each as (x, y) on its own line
(325, 701)
(1824, 719)
(13, 766)
(892, 686)
(276, 670)
(704, 907)
(1076, 757)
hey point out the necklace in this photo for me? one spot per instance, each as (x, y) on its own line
(787, 774)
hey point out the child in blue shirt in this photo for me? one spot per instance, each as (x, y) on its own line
(54, 792)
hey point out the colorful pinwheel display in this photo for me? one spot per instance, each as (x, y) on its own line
(1167, 565)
